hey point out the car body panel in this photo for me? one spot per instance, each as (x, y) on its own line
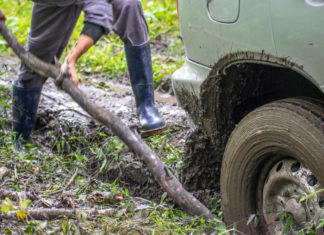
(268, 26)
(206, 40)
(224, 11)
(189, 77)
(301, 37)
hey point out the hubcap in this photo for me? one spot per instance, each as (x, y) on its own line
(287, 183)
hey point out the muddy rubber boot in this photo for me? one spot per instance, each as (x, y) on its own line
(24, 108)
(141, 76)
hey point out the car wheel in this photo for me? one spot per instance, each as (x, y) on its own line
(274, 158)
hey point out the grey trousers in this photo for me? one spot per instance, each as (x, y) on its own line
(52, 26)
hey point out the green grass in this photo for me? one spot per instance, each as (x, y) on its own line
(107, 56)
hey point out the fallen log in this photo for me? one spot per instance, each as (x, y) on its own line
(18, 195)
(160, 172)
(54, 213)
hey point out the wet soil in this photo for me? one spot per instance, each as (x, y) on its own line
(59, 117)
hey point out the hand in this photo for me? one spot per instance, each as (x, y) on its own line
(69, 67)
(82, 45)
(2, 15)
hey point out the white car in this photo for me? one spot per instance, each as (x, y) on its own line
(253, 84)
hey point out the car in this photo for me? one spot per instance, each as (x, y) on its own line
(253, 86)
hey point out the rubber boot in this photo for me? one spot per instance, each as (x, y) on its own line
(24, 108)
(141, 76)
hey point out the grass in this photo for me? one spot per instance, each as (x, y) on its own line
(107, 56)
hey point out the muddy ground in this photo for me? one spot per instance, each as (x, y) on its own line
(64, 129)
(58, 113)
(59, 117)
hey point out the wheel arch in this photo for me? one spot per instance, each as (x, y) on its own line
(243, 81)
(237, 84)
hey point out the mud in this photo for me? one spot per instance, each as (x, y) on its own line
(236, 85)
(60, 118)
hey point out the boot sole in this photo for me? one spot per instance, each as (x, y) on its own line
(148, 133)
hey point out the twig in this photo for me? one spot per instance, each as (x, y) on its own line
(7, 181)
(68, 184)
(84, 187)
(162, 146)
(15, 172)
(53, 213)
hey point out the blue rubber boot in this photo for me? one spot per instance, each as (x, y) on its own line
(141, 76)
(24, 108)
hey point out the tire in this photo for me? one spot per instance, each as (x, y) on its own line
(277, 135)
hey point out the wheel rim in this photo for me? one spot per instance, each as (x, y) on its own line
(286, 184)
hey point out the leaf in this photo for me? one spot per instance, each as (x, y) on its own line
(103, 165)
(164, 195)
(126, 192)
(21, 215)
(24, 205)
(65, 227)
(305, 198)
(22, 212)
(321, 224)
(256, 221)
(252, 216)
(102, 134)
(12, 23)
(7, 205)
(30, 229)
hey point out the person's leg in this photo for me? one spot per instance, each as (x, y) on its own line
(48, 36)
(130, 25)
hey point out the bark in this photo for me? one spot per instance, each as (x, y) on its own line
(54, 213)
(18, 195)
(160, 172)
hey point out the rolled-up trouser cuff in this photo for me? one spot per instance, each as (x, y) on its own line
(92, 30)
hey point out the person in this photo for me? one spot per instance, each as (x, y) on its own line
(52, 24)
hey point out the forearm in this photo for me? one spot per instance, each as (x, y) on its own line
(89, 36)
(83, 44)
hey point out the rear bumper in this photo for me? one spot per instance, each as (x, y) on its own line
(188, 79)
